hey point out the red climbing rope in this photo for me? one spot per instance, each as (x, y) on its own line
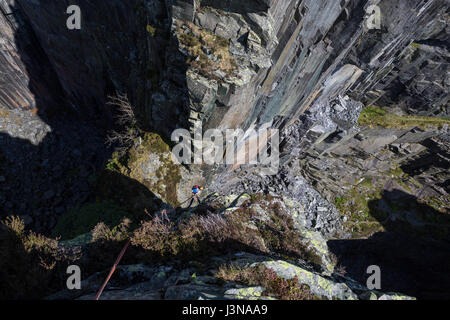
(113, 269)
(99, 293)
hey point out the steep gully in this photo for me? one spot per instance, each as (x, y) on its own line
(299, 65)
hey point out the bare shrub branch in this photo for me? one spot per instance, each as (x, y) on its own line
(126, 118)
(126, 114)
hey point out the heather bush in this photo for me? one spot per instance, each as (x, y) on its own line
(157, 235)
(30, 264)
(212, 227)
(213, 233)
(242, 230)
(195, 236)
(106, 242)
(103, 232)
(275, 286)
(279, 233)
(14, 224)
(284, 289)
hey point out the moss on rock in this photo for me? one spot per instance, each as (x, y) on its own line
(144, 171)
(374, 116)
(151, 164)
(318, 284)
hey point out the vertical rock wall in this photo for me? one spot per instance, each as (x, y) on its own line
(284, 52)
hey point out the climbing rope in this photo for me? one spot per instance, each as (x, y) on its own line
(116, 263)
(113, 269)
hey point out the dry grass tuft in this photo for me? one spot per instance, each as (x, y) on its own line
(31, 265)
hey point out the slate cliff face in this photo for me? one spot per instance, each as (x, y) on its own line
(291, 55)
(282, 53)
(230, 65)
(306, 67)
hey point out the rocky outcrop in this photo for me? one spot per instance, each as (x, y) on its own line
(164, 282)
(307, 68)
(370, 153)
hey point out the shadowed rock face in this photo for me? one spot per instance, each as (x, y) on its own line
(112, 51)
(54, 85)
(410, 263)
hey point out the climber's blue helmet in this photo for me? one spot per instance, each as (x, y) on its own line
(196, 189)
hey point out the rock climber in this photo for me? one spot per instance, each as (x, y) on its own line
(196, 190)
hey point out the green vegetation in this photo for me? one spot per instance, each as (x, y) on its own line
(355, 205)
(440, 204)
(339, 201)
(279, 233)
(274, 286)
(120, 232)
(151, 142)
(84, 219)
(374, 116)
(138, 179)
(197, 41)
(260, 197)
(33, 265)
(152, 30)
(113, 164)
(355, 202)
(280, 236)
(203, 235)
(367, 210)
(167, 176)
(4, 113)
(30, 264)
